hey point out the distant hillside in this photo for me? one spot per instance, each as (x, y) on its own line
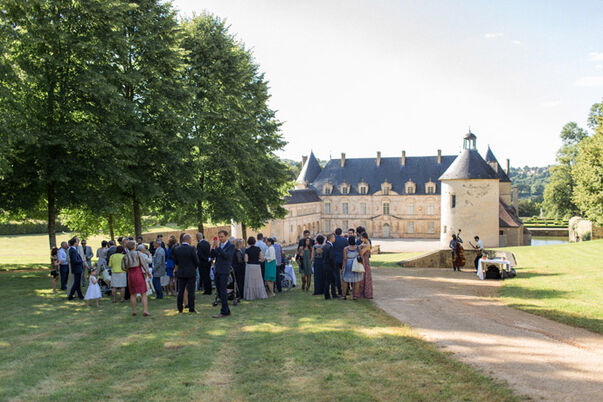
(530, 181)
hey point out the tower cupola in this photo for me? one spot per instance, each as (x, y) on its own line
(469, 141)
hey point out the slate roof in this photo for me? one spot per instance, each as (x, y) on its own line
(310, 170)
(419, 169)
(302, 196)
(469, 165)
(500, 173)
(507, 218)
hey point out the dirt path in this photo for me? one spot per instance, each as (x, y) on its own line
(539, 358)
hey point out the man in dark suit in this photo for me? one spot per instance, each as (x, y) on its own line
(77, 268)
(186, 261)
(328, 260)
(338, 245)
(203, 251)
(223, 253)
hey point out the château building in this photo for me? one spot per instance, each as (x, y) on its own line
(428, 197)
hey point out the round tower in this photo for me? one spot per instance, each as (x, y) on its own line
(470, 198)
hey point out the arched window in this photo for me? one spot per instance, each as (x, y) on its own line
(363, 188)
(430, 187)
(327, 189)
(344, 188)
(410, 187)
(386, 187)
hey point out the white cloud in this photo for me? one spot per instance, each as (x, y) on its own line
(550, 103)
(493, 35)
(590, 81)
(595, 56)
(516, 42)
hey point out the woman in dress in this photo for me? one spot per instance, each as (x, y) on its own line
(270, 266)
(119, 278)
(366, 285)
(348, 276)
(238, 265)
(318, 265)
(169, 265)
(54, 268)
(307, 256)
(101, 254)
(134, 264)
(254, 285)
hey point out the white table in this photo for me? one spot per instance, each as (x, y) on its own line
(504, 264)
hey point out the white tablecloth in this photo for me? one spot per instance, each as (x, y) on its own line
(480, 270)
(289, 270)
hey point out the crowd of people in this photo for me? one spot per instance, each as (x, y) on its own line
(339, 265)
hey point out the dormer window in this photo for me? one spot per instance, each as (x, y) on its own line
(363, 188)
(386, 187)
(344, 188)
(430, 187)
(327, 189)
(410, 187)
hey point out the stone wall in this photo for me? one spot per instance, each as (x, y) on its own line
(443, 259)
(580, 228)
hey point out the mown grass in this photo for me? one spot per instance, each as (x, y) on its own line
(293, 347)
(563, 282)
(21, 251)
(391, 260)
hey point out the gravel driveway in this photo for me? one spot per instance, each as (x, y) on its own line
(537, 357)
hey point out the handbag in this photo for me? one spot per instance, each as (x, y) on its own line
(357, 266)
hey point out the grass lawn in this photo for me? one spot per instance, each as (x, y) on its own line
(32, 251)
(563, 282)
(293, 347)
(391, 260)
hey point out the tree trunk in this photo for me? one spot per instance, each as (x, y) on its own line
(137, 216)
(244, 231)
(111, 231)
(52, 216)
(200, 219)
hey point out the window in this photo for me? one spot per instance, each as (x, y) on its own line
(386, 191)
(444, 229)
(430, 227)
(344, 208)
(344, 190)
(327, 225)
(327, 189)
(386, 208)
(410, 209)
(430, 187)
(327, 207)
(363, 189)
(410, 190)
(291, 229)
(430, 209)
(410, 187)
(411, 227)
(345, 225)
(363, 208)
(452, 201)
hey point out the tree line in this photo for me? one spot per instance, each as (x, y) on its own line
(576, 183)
(111, 110)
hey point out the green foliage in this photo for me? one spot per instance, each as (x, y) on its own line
(530, 182)
(529, 208)
(558, 201)
(588, 176)
(23, 228)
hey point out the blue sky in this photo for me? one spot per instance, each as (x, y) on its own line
(366, 76)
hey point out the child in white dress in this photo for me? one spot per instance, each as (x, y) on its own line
(94, 290)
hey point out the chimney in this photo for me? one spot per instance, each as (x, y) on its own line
(508, 167)
(403, 158)
(342, 159)
(304, 159)
(378, 158)
(439, 156)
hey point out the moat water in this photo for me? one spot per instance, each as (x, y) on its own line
(548, 240)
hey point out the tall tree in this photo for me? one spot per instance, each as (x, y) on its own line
(588, 176)
(235, 133)
(56, 52)
(151, 134)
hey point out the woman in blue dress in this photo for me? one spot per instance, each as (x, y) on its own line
(347, 275)
(169, 265)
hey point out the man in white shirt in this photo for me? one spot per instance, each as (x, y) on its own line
(63, 265)
(479, 247)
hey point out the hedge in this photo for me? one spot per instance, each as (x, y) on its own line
(28, 228)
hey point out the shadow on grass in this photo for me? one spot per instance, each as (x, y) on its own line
(23, 267)
(516, 290)
(591, 324)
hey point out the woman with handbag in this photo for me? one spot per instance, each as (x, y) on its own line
(135, 265)
(366, 285)
(352, 270)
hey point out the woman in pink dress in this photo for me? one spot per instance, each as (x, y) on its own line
(366, 285)
(134, 264)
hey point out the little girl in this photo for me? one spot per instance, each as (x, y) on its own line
(94, 291)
